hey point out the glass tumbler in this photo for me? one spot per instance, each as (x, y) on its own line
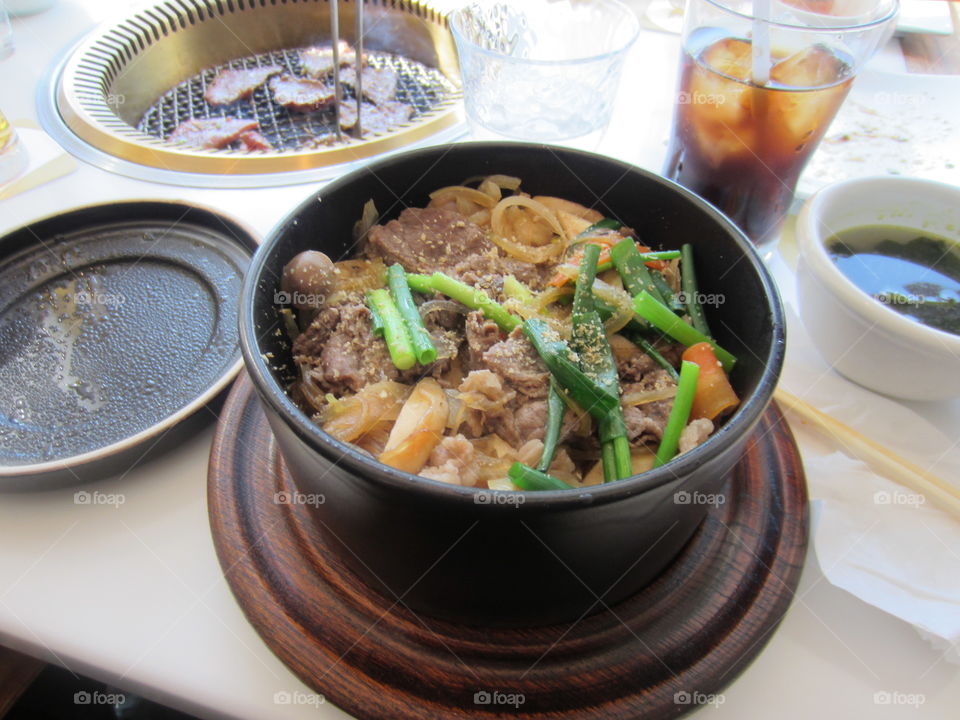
(542, 70)
(760, 82)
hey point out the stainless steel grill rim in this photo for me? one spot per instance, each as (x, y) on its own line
(112, 80)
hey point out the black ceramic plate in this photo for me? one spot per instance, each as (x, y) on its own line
(116, 322)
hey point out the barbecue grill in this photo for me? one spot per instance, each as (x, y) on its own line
(116, 97)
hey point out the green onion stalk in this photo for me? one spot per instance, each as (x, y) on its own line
(679, 413)
(395, 331)
(420, 338)
(660, 316)
(589, 341)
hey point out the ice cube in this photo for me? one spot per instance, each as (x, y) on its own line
(729, 56)
(812, 67)
(796, 119)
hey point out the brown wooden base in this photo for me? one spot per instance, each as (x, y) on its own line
(657, 655)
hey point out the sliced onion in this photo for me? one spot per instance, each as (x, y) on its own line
(432, 306)
(643, 397)
(480, 217)
(311, 392)
(368, 219)
(534, 255)
(618, 299)
(551, 295)
(359, 414)
(501, 483)
(490, 188)
(539, 209)
(479, 401)
(618, 320)
(350, 422)
(507, 182)
(375, 440)
(457, 410)
(568, 270)
(671, 273)
(526, 310)
(467, 193)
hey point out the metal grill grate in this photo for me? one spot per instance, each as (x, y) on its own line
(121, 92)
(424, 89)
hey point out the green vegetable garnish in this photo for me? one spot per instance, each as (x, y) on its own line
(394, 328)
(420, 338)
(679, 413)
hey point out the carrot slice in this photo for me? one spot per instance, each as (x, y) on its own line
(605, 243)
(714, 396)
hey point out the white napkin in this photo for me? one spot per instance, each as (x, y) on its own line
(878, 540)
(47, 161)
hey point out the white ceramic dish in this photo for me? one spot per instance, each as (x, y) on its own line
(861, 338)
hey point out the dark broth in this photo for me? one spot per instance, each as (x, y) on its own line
(916, 274)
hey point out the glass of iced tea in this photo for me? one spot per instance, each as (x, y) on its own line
(760, 82)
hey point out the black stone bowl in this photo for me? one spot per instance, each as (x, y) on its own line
(502, 558)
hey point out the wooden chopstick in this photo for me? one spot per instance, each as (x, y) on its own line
(889, 464)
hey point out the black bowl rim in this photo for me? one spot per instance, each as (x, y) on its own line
(337, 452)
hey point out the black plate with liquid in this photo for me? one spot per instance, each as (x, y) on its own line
(117, 322)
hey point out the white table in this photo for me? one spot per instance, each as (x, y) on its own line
(133, 595)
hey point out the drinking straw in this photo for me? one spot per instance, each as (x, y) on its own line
(761, 42)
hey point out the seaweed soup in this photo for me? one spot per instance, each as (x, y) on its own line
(908, 270)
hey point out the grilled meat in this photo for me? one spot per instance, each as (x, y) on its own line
(254, 141)
(231, 85)
(301, 94)
(317, 60)
(379, 84)
(211, 133)
(376, 118)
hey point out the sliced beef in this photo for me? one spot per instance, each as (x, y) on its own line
(645, 423)
(671, 352)
(231, 85)
(376, 119)
(318, 59)
(453, 461)
(515, 360)
(424, 240)
(352, 357)
(482, 271)
(379, 84)
(447, 344)
(211, 133)
(632, 362)
(443, 319)
(482, 334)
(348, 114)
(531, 420)
(309, 344)
(654, 379)
(301, 94)
(694, 434)
(487, 271)
(534, 276)
(254, 141)
(488, 403)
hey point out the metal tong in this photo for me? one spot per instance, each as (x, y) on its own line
(358, 83)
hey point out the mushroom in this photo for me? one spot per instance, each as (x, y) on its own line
(308, 280)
